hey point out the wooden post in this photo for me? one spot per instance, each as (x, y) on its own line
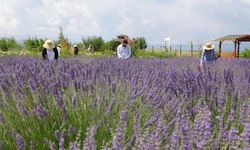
(180, 50)
(238, 51)
(191, 48)
(220, 44)
(235, 47)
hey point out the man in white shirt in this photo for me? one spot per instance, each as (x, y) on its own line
(124, 50)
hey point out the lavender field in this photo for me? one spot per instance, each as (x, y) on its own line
(108, 103)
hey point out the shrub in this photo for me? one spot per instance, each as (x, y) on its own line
(153, 54)
(246, 53)
(110, 46)
(141, 43)
(34, 44)
(7, 44)
(97, 42)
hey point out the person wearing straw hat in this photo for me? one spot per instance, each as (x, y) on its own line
(75, 47)
(124, 50)
(49, 52)
(208, 54)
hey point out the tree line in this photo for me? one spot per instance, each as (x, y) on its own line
(35, 44)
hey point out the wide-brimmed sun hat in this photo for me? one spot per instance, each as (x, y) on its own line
(48, 44)
(208, 46)
(75, 45)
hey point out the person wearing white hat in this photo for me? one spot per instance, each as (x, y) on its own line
(208, 54)
(49, 52)
(75, 47)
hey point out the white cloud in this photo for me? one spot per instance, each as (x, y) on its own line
(182, 20)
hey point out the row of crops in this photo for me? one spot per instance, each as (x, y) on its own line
(108, 103)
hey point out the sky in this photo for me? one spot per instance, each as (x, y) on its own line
(181, 20)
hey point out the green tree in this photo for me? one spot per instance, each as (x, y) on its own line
(7, 44)
(96, 42)
(66, 45)
(110, 46)
(141, 43)
(34, 44)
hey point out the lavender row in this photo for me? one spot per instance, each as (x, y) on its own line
(114, 104)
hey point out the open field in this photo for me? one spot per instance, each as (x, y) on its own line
(107, 103)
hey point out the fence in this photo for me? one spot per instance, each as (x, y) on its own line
(179, 50)
(195, 48)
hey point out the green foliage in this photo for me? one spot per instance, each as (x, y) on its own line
(80, 46)
(110, 46)
(153, 54)
(34, 44)
(96, 42)
(141, 43)
(246, 53)
(66, 45)
(7, 44)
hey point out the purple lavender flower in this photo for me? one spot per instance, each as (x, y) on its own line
(72, 130)
(113, 88)
(233, 138)
(2, 118)
(203, 128)
(246, 135)
(118, 139)
(19, 141)
(40, 111)
(62, 140)
(110, 107)
(22, 108)
(90, 140)
(74, 146)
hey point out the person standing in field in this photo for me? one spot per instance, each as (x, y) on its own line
(49, 52)
(124, 50)
(75, 47)
(90, 49)
(59, 48)
(208, 54)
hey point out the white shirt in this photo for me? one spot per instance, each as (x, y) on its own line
(59, 50)
(50, 55)
(123, 52)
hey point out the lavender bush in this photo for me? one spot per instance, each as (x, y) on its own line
(108, 103)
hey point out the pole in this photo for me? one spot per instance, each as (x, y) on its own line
(238, 52)
(235, 47)
(169, 45)
(180, 50)
(191, 48)
(220, 48)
